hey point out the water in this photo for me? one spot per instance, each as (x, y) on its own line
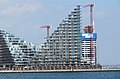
(62, 75)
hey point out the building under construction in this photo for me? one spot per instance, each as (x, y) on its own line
(66, 48)
(88, 55)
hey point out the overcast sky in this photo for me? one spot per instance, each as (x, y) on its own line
(23, 18)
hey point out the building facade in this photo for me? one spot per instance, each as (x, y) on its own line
(17, 53)
(63, 48)
(88, 57)
(6, 60)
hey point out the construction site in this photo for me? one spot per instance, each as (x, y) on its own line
(66, 48)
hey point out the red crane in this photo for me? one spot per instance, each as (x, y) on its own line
(89, 29)
(91, 12)
(47, 27)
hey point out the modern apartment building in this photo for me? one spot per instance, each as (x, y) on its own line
(66, 48)
(63, 47)
(88, 57)
(17, 53)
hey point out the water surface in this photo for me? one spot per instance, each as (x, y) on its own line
(62, 75)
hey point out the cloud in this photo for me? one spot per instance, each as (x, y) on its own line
(21, 8)
(4, 1)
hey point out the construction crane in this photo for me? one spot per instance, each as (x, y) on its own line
(48, 28)
(91, 12)
(90, 29)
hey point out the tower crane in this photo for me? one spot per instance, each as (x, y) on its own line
(91, 12)
(90, 29)
(48, 28)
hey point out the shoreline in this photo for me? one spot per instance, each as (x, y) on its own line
(75, 70)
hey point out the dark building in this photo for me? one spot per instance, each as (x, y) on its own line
(6, 60)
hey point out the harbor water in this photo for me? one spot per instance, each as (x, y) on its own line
(62, 75)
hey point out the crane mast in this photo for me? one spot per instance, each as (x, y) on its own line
(91, 12)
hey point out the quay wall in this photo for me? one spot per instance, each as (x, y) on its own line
(70, 70)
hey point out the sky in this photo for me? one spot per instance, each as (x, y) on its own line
(23, 18)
